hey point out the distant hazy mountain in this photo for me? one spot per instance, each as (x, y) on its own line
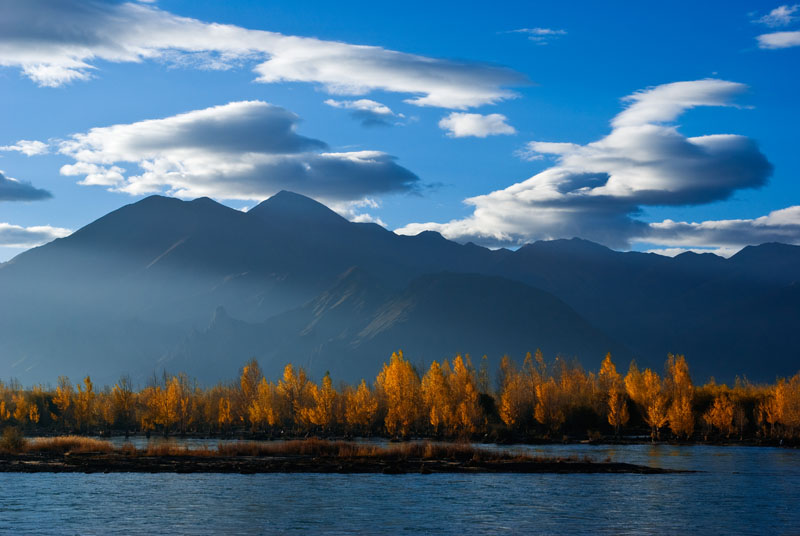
(728, 316)
(350, 329)
(200, 287)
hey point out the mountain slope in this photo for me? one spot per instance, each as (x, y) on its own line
(125, 291)
(134, 282)
(349, 332)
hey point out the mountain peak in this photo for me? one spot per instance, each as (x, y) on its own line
(572, 246)
(766, 250)
(156, 200)
(431, 236)
(287, 205)
(161, 204)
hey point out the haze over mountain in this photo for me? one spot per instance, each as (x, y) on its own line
(199, 287)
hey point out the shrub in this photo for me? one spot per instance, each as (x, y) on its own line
(12, 440)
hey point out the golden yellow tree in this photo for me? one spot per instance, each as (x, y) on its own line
(549, 405)
(646, 391)
(781, 406)
(436, 396)
(516, 395)
(535, 368)
(208, 402)
(677, 378)
(400, 386)
(678, 383)
(720, 414)
(506, 368)
(176, 407)
(249, 382)
(576, 387)
(224, 416)
(84, 404)
(361, 406)
(790, 413)
(618, 414)
(123, 401)
(63, 399)
(655, 403)
(465, 406)
(265, 407)
(295, 391)
(322, 411)
(612, 394)
(250, 379)
(33, 413)
(167, 400)
(634, 383)
(766, 414)
(608, 379)
(21, 407)
(680, 416)
(105, 408)
(147, 400)
(5, 414)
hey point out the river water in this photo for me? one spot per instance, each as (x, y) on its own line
(742, 490)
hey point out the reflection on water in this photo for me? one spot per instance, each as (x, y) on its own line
(742, 490)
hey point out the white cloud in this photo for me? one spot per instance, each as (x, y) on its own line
(462, 125)
(369, 112)
(666, 102)
(777, 226)
(673, 252)
(596, 191)
(93, 174)
(540, 36)
(242, 150)
(25, 237)
(779, 40)
(366, 217)
(15, 190)
(780, 16)
(364, 105)
(27, 147)
(55, 42)
(353, 210)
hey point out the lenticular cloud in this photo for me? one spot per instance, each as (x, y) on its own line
(597, 190)
(55, 42)
(242, 150)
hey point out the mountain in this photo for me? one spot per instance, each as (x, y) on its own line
(350, 329)
(132, 284)
(729, 316)
(292, 280)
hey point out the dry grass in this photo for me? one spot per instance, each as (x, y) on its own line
(170, 449)
(65, 444)
(425, 450)
(342, 449)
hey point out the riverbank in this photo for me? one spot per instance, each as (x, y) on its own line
(82, 455)
(487, 439)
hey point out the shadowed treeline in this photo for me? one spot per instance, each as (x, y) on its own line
(450, 400)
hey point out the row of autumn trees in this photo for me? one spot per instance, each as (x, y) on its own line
(451, 399)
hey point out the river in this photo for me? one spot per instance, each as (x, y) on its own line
(742, 490)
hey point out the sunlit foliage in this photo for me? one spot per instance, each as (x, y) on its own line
(612, 394)
(451, 400)
(361, 406)
(399, 385)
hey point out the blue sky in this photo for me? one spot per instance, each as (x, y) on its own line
(554, 72)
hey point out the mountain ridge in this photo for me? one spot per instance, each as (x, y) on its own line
(138, 281)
